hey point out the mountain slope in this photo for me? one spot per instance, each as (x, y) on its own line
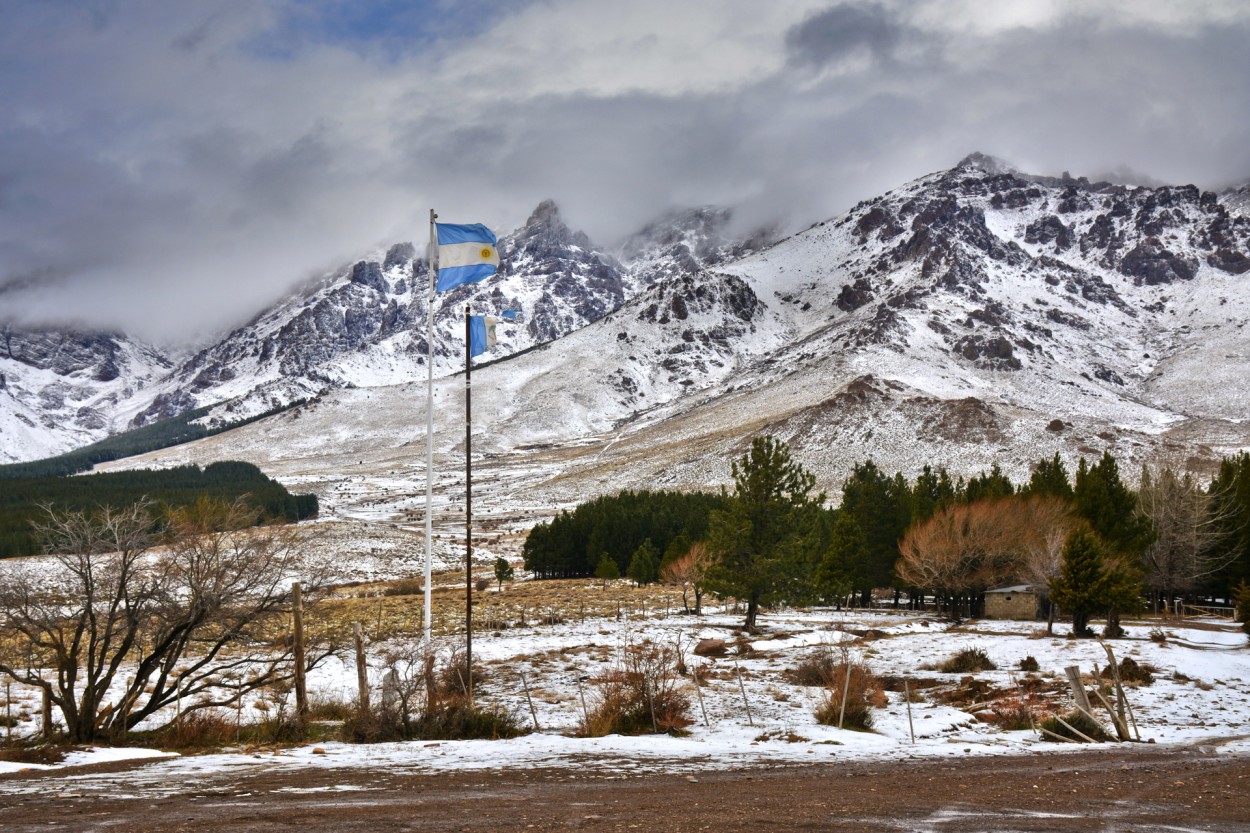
(974, 316)
(58, 388)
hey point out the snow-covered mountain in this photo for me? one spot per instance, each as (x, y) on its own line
(974, 316)
(364, 326)
(59, 388)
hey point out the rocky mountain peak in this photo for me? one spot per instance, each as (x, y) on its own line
(545, 228)
(984, 162)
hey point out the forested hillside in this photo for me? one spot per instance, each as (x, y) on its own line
(23, 502)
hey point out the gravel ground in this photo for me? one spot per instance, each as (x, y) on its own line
(1126, 789)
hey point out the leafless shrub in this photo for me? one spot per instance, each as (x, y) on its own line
(1012, 714)
(199, 730)
(405, 587)
(1133, 672)
(851, 694)
(815, 669)
(424, 697)
(969, 660)
(642, 694)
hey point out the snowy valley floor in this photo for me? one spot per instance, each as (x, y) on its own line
(737, 770)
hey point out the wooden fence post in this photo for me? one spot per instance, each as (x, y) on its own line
(742, 687)
(362, 672)
(301, 686)
(698, 690)
(1078, 687)
(907, 697)
(530, 700)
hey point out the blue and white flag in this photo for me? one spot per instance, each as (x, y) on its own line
(511, 315)
(481, 334)
(466, 254)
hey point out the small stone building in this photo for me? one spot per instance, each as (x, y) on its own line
(1023, 601)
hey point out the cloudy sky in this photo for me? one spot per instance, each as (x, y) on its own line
(171, 167)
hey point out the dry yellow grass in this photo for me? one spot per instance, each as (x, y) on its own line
(535, 603)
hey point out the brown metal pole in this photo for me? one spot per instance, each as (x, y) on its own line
(301, 687)
(468, 504)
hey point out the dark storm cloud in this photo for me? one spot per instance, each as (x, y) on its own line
(172, 171)
(837, 32)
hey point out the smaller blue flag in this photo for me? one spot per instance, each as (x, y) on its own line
(481, 334)
(511, 314)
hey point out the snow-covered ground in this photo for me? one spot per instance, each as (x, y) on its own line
(1200, 697)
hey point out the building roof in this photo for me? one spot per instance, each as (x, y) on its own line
(1019, 588)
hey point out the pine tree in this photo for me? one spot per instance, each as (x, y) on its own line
(882, 508)
(1230, 493)
(503, 571)
(679, 546)
(607, 570)
(1123, 594)
(989, 486)
(1050, 477)
(643, 568)
(763, 539)
(845, 557)
(1111, 508)
(1082, 584)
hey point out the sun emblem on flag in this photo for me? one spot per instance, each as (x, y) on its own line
(486, 253)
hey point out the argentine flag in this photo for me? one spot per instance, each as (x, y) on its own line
(466, 254)
(481, 334)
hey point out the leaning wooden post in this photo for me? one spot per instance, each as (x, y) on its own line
(1121, 701)
(581, 693)
(1078, 687)
(698, 690)
(362, 673)
(907, 697)
(745, 702)
(530, 700)
(301, 684)
(846, 686)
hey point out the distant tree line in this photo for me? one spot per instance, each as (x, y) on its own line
(573, 544)
(23, 503)
(1098, 545)
(162, 434)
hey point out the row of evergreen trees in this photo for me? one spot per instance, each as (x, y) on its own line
(809, 553)
(573, 544)
(24, 502)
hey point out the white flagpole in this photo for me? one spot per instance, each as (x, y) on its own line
(429, 430)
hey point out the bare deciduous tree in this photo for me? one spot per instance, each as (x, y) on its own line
(126, 629)
(966, 548)
(1187, 523)
(688, 570)
(1050, 520)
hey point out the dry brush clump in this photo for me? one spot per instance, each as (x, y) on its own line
(852, 691)
(1013, 714)
(642, 694)
(427, 696)
(1132, 672)
(967, 661)
(1076, 726)
(816, 668)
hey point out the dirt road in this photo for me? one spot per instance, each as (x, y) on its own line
(1140, 789)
